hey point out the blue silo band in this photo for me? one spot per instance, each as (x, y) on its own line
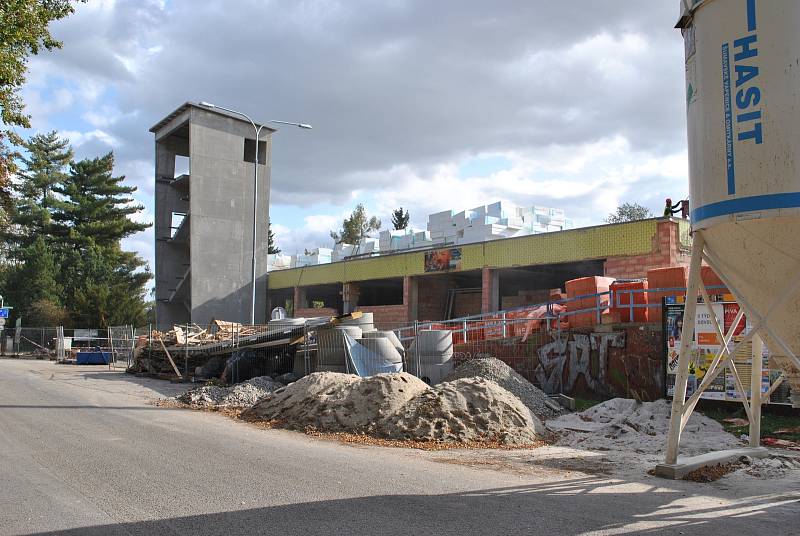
(746, 204)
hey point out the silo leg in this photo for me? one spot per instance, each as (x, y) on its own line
(687, 334)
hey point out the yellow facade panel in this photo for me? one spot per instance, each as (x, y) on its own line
(633, 238)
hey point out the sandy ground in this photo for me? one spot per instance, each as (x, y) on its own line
(84, 451)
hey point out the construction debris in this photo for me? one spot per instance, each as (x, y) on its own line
(240, 395)
(401, 406)
(495, 370)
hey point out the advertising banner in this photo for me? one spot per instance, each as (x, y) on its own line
(705, 346)
(443, 260)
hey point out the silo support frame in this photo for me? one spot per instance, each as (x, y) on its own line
(683, 408)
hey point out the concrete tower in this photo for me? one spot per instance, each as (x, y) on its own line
(204, 171)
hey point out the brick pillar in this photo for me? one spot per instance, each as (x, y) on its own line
(350, 293)
(410, 297)
(490, 290)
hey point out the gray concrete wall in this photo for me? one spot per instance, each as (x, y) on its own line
(221, 212)
(170, 258)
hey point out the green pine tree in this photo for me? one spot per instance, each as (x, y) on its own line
(105, 286)
(95, 207)
(400, 219)
(41, 170)
(272, 248)
(34, 279)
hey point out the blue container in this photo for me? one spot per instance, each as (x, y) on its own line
(93, 358)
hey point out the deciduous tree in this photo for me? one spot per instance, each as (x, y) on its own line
(356, 227)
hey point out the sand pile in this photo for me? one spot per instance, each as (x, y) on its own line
(623, 424)
(240, 395)
(337, 402)
(401, 406)
(464, 410)
(495, 370)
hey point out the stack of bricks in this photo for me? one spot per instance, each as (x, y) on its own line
(586, 286)
(673, 277)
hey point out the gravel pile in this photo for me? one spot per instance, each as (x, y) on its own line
(625, 425)
(495, 370)
(401, 406)
(240, 395)
(771, 467)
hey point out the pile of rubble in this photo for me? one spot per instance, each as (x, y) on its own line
(495, 370)
(401, 406)
(240, 395)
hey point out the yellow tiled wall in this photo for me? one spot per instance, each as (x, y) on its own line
(634, 238)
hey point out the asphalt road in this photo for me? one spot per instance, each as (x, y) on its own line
(83, 453)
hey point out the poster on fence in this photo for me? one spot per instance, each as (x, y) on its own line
(705, 347)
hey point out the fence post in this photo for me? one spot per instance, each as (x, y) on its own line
(416, 348)
(306, 360)
(111, 347)
(186, 354)
(630, 299)
(597, 306)
(505, 331)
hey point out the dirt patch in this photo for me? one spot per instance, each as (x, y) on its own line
(711, 473)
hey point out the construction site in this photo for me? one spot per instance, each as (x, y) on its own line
(632, 359)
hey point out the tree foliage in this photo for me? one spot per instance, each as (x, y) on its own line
(629, 212)
(24, 31)
(356, 227)
(95, 207)
(400, 219)
(272, 248)
(41, 169)
(65, 263)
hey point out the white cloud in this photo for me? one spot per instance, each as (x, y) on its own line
(584, 99)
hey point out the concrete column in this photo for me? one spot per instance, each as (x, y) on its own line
(490, 290)
(299, 300)
(410, 287)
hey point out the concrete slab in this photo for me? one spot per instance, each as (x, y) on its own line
(687, 465)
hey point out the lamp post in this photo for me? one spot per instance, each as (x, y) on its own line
(257, 130)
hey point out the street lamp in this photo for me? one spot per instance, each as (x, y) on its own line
(257, 129)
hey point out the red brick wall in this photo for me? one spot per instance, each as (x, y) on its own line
(307, 312)
(387, 316)
(635, 370)
(467, 304)
(432, 296)
(665, 252)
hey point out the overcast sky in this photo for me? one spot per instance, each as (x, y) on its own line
(432, 105)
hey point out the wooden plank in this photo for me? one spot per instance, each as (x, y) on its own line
(171, 362)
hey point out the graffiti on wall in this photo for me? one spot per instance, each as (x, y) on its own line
(569, 356)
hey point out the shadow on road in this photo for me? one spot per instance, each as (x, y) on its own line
(162, 387)
(137, 408)
(567, 507)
